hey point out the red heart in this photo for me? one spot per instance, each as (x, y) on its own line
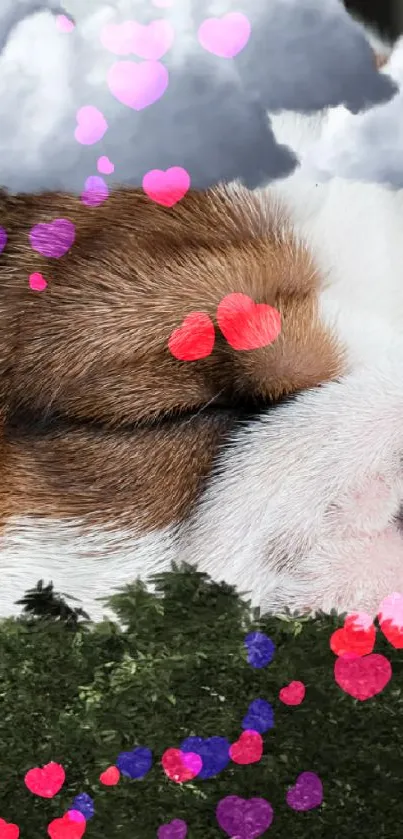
(247, 325)
(248, 749)
(8, 830)
(194, 339)
(353, 638)
(66, 828)
(390, 616)
(362, 676)
(292, 694)
(110, 777)
(47, 781)
(181, 766)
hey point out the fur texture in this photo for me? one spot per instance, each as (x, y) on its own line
(278, 470)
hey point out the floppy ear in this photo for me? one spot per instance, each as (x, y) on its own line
(95, 343)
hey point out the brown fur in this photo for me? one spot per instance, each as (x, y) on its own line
(93, 347)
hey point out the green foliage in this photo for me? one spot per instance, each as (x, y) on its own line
(174, 665)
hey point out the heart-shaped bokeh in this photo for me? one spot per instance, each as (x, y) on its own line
(166, 187)
(243, 818)
(66, 828)
(248, 749)
(259, 717)
(84, 804)
(214, 752)
(150, 41)
(194, 339)
(8, 830)
(225, 36)
(91, 125)
(135, 764)
(46, 781)
(110, 776)
(247, 325)
(53, 239)
(356, 636)
(390, 616)
(362, 676)
(176, 829)
(181, 766)
(37, 281)
(3, 238)
(292, 694)
(307, 793)
(137, 84)
(260, 649)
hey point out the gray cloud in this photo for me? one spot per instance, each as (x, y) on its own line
(212, 119)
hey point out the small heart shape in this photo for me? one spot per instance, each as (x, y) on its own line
(243, 818)
(307, 792)
(260, 716)
(66, 828)
(362, 676)
(176, 829)
(91, 125)
(137, 84)
(247, 325)
(390, 616)
(292, 694)
(225, 36)
(110, 776)
(194, 339)
(214, 752)
(37, 281)
(135, 764)
(53, 239)
(3, 238)
(47, 781)
(150, 41)
(166, 188)
(105, 166)
(95, 191)
(181, 766)
(8, 830)
(248, 749)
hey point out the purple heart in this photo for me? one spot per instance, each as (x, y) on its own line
(244, 818)
(176, 829)
(307, 792)
(53, 239)
(3, 238)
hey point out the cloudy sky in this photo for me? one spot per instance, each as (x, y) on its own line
(210, 116)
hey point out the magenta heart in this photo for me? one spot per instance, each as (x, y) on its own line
(244, 818)
(362, 676)
(307, 792)
(138, 84)
(225, 36)
(53, 239)
(176, 829)
(91, 125)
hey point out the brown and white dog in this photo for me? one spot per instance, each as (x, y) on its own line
(277, 469)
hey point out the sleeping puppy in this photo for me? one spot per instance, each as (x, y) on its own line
(276, 469)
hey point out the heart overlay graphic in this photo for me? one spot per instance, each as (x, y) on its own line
(307, 792)
(47, 781)
(244, 818)
(194, 339)
(362, 676)
(247, 325)
(225, 36)
(166, 188)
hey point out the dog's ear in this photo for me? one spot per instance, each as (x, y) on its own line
(95, 343)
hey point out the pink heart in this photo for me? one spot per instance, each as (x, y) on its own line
(225, 36)
(47, 781)
(95, 191)
(166, 188)
(362, 676)
(137, 85)
(37, 281)
(151, 41)
(64, 24)
(105, 166)
(91, 125)
(292, 694)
